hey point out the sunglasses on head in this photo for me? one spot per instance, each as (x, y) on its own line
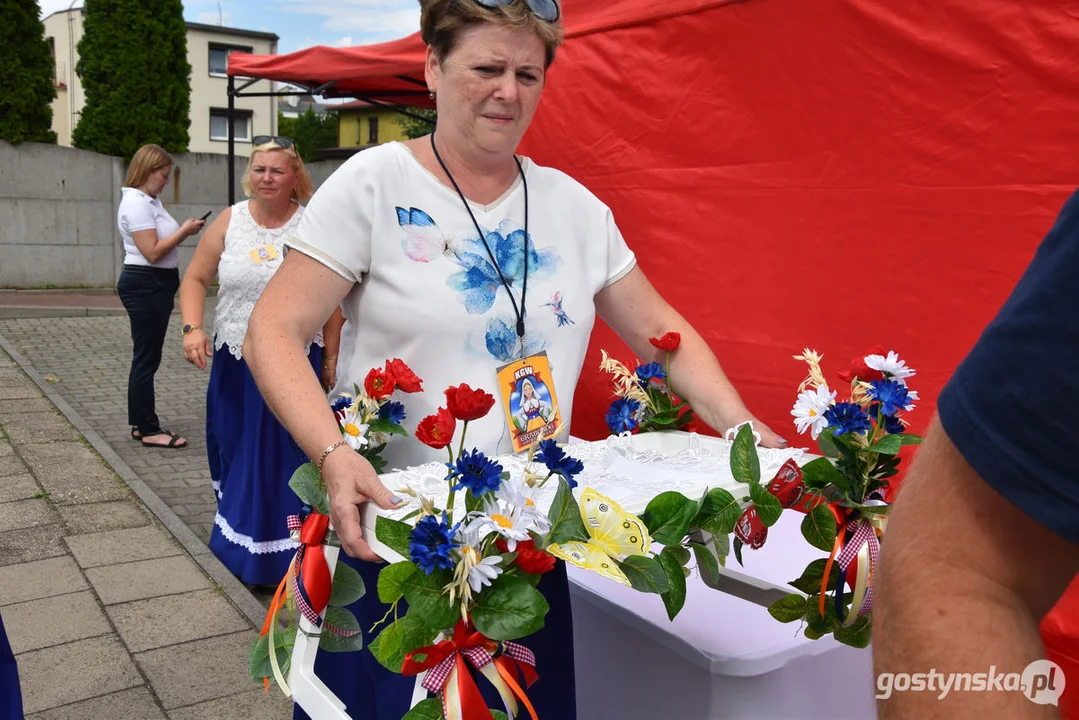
(543, 9)
(283, 142)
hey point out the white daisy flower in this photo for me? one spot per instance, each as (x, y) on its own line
(809, 409)
(480, 572)
(473, 571)
(913, 395)
(516, 496)
(353, 429)
(891, 366)
(508, 521)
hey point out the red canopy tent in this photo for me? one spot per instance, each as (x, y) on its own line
(794, 174)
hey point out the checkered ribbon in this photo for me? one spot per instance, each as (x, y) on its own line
(495, 661)
(311, 572)
(862, 536)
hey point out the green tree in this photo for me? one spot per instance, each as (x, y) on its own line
(312, 132)
(134, 69)
(414, 127)
(26, 82)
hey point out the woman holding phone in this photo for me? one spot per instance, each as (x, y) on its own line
(251, 456)
(147, 285)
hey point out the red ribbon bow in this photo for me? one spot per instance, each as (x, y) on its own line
(312, 572)
(441, 659)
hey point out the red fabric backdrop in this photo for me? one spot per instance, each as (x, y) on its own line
(831, 175)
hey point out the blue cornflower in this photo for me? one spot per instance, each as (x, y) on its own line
(847, 418)
(475, 472)
(892, 425)
(649, 372)
(557, 461)
(430, 543)
(341, 403)
(892, 396)
(392, 411)
(621, 415)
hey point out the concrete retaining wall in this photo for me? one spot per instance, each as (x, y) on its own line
(58, 210)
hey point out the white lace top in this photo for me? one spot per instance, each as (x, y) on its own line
(242, 279)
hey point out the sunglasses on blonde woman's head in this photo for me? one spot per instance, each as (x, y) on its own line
(283, 142)
(543, 9)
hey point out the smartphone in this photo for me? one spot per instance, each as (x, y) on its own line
(206, 215)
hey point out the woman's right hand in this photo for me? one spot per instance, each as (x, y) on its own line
(197, 348)
(192, 226)
(351, 481)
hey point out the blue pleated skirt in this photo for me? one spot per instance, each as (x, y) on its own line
(372, 692)
(10, 694)
(251, 459)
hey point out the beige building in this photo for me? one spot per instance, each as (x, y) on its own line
(208, 48)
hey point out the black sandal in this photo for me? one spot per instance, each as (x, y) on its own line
(172, 443)
(135, 434)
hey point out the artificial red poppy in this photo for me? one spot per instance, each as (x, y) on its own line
(407, 381)
(468, 404)
(668, 343)
(529, 558)
(860, 371)
(437, 430)
(379, 384)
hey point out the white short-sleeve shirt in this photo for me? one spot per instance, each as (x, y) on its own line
(428, 293)
(139, 211)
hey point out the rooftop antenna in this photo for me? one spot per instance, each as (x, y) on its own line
(220, 16)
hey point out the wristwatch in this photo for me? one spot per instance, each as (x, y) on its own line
(188, 329)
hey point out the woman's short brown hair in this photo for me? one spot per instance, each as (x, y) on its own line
(302, 190)
(147, 159)
(441, 22)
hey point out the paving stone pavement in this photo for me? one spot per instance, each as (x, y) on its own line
(109, 616)
(87, 359)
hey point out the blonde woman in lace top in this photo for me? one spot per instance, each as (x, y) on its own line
(251, 455)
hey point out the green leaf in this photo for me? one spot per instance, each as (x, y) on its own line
(400, 638)
(645, 574)
(668, 516)
(887, 445)
(390, 579)
(722, 544)
(347, 586)
(788, 609)
(429, 709)
(810, 580)
(707, 564)
(857, 635)
(675, 597)
(424, 595)
(680, 552)
(768, 506)
(342, 619)
(908, 439)
(393, 534)
(819, 528)
(821, 473)
(738, 551)
(719, 513)
(305, 482)
(383, 425)
(499, 715)
(826, 443)
(258, 660)
(565, 516)
(511, 608)
(745, 465)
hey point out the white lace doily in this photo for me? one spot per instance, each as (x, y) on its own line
(630, 469)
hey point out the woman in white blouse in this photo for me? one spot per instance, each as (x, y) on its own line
(251, 456)
(449, 252)
(148, 283)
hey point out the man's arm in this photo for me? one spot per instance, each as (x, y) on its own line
(965, 578)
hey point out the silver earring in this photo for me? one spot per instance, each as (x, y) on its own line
(432, 94)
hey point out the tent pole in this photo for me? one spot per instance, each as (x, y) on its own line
(232, 142)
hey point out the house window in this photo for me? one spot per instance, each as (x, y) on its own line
(219, 58)
(372, 131)
(241, 125)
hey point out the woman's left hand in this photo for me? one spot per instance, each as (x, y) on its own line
(329, 372)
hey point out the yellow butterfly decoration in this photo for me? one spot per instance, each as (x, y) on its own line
(614, 534)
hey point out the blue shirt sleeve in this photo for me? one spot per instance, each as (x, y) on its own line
(1012, 406)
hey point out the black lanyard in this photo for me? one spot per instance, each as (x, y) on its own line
(518, 312)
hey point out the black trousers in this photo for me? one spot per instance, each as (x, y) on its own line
(147, 294)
